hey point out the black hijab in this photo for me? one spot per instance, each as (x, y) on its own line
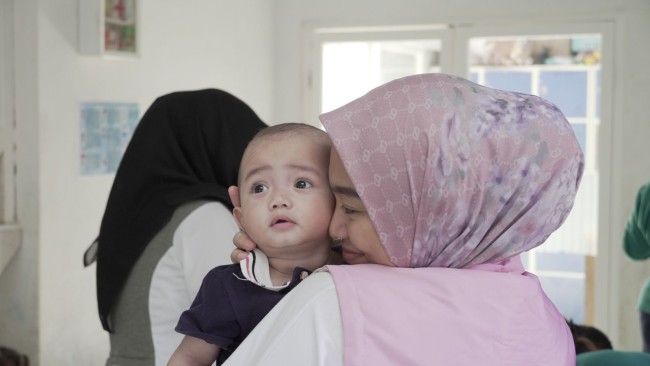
(186, 147)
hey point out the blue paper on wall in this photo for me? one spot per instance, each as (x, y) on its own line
(105, 131)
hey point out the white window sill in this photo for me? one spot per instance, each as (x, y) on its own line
(10, 238)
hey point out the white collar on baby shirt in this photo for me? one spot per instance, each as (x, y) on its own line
(255, 269)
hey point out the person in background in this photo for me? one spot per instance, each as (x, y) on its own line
(168, 204)
(593, 348)
(286, 207)
(440, 184)
(636, 244)
(610, 357)
(588, 338)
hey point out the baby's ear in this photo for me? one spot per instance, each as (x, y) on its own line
(238, 217)
(233, 192)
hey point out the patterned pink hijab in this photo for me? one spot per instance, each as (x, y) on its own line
(454, 174)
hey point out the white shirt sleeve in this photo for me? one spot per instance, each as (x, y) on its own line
(201, 242)
(304, 328)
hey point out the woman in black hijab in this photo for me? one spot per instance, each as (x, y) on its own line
(167, 211)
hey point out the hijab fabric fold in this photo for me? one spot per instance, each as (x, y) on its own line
(186, 147)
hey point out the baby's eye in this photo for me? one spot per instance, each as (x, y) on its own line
(259, 188)
(303, 184)
(348, 210)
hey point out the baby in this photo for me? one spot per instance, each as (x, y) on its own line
(286, 207)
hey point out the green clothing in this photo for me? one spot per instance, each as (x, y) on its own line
(609, 357)
(636, 241)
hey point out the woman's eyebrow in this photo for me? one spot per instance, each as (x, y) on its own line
(346, 191)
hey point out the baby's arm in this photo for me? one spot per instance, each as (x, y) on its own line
(194, 351)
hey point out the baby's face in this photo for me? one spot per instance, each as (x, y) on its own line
(286, 200)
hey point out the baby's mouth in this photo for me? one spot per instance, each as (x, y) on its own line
(281, 221)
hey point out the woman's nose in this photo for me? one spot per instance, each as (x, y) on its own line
(337, 227)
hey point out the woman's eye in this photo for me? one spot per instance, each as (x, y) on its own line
(259, 188)
(303, 184)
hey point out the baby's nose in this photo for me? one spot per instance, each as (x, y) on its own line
(280, 200)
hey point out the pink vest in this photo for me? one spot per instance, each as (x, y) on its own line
(489, 315)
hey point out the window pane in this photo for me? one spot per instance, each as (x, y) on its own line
(580, 129)
(344, 63)
(567, 89)
(473, 76)
(351, 69)
(509, 80)
(567, 294)
(565, 262)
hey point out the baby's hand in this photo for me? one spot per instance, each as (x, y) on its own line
(242, 242)
(243, 245)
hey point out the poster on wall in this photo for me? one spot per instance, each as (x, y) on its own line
(106, 129)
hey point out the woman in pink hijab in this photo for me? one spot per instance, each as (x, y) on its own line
(440, 184)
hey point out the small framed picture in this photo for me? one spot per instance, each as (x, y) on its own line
(109, 27)
(120, 26)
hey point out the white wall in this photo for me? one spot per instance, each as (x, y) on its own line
(47, 302)
(627, 147)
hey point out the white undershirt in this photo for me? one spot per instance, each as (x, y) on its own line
(304, 328)
(201, 242)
